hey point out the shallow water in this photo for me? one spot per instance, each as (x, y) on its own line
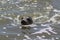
(45, 14)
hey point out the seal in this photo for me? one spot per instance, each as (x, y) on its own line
(26, 21)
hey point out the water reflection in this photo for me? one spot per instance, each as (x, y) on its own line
(44, 27)
(13, 29)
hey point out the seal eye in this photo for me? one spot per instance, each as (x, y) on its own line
(29, 19)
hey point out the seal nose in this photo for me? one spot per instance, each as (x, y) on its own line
(26, 21)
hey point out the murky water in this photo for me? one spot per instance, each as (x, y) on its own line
(45, 14)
